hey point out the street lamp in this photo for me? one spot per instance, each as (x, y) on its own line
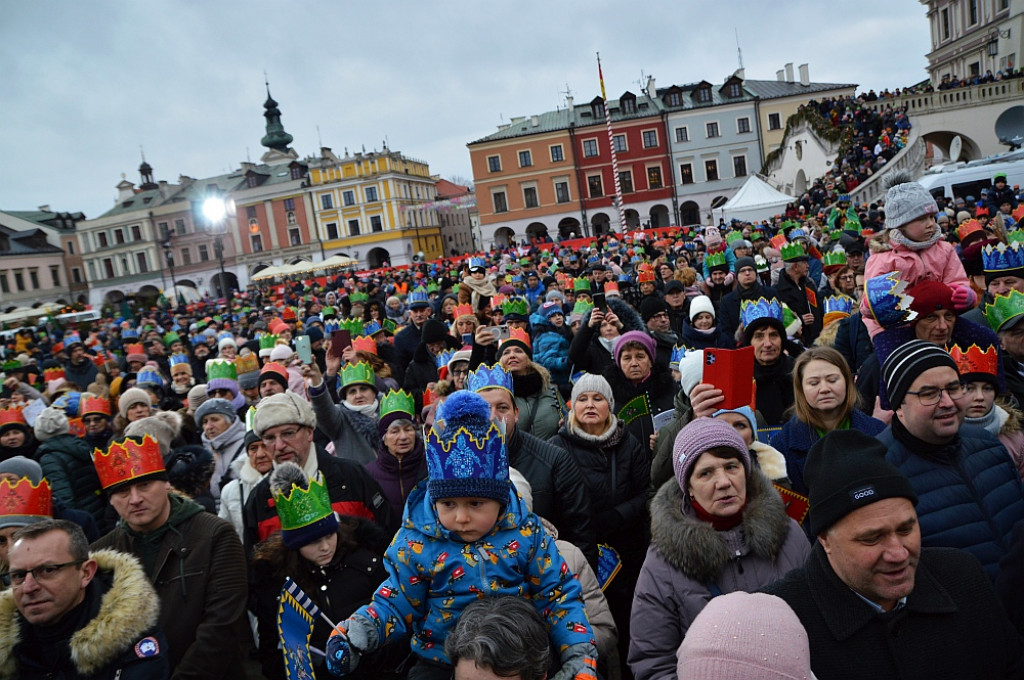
(169, 258)
(215, 210)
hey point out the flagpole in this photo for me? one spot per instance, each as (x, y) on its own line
(611, 145)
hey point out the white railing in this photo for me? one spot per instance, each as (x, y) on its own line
(910, 159)
(944, 100)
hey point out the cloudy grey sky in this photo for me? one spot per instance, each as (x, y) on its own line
(84, 84)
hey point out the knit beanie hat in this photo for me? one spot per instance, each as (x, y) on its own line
(433, 331)
(281, 354)
(314, 333)
(590, 382)
(551, 308)
(226, 342)
(286, 408)
(196, 396)
(699, 436)
(304, 509)
(221, 407)
(131, 397)
(846, 470)
(249, 381)
(701, 303)
(274, 371)
(164, 426)
(466, 457)
(50, 423)
(745, 261)
(906, 200)
(745, 636)
(691, 371)
(651, 305)
(635, 336)
(908, 361)
(744, 411)
(21, 466)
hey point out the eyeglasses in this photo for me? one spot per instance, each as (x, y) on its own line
(463, 371)
(930, 396)
(89, 420)
(287, 436)
(44, 572)
(660, 315)
(849, 277)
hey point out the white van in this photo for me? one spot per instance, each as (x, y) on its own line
(960, 180)
(76, 317)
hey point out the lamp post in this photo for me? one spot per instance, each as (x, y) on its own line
(165, 242)
(215, 211)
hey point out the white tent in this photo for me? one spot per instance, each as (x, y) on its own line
(755, 201)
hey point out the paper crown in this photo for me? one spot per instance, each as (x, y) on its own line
(1003, 309)
(12, 416)
(760, 263)
(1002, 257)
(516, 305)
(888, 302)
(793, 251)
(71, 339)
(582, 307)
(268, 341)
(581, 285)
(357, 374)
(372, 327)
(611, 287)
(761, 308)
(969, 227)
(733, 236)
(221, 368)
(149, 376)
(976, 360)
(226, 335)
(358, 297)
(52, 374)
(129, 334)
(171, 338)
(353, 326)
(443, 358)
(90, 404)
(1017, 235)
(837, 307)
(247, 364)
(460, 462)
(128, 461)
(475, 262)
(645, 273)
(198, 339)
(678, 352)
(462, 310)
(715, 260)
(489, 377)
(835, 257)
(498, 300)
(23, 499)
(12, 365)
(177, 360)
(516, 335)
(298, 507)
(432, 287)
(397, 401)
(364, 343)
(418, 295)
(135, 348)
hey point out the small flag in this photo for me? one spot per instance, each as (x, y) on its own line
(634, 409)
(295, 618)
(601, 76)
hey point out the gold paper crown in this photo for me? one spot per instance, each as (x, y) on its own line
(128, 461)
(247, 364)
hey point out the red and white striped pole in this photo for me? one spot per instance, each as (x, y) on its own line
(611, 145)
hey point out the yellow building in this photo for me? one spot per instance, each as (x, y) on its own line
(376, 207)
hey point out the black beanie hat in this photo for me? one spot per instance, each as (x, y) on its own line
(433, 331)
(846, 470)
(651, 305)
(745, 261)
(907, 362)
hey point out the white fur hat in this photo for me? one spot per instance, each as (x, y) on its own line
(701, 303)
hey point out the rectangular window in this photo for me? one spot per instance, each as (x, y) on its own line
(289, 204)
(712, 130)
(619, 142)
(136, 233)
(500, 203)
(675, 99)
(739, 166)
(204, 253)
(101, 239)
(650, 139)
(589, 148)
(626, 181)
(108, 268)
(562, 192)
(774, 121)
(4, 286)
(256, 241)
(179, 227)
(375, 223)
(742, 125)
(19, 280)
(945, 23)
(494, 163)
(55, 276)
(594, 186)
(119, 236)
(295, 236)
(972, 12)
(250, 212)
(654, 177)
(682, 134)
(71, 247)
(525, 159)
(33, 277)
(186, 256)
(161, 229)
(530, 197)
(348, 197)
(711, 170)
(353, 227)
(371, 194)
(703, 95)
(686, 174)
(327, 201)
(76, 276)
(556, 154)
(140, 259)
(332, 231)
(92, 271)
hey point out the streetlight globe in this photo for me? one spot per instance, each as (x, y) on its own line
(214, 209)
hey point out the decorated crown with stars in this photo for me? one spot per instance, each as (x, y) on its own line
(397, 402)
(299, 507)
(976, 360)
(129, 461)
(761, 308)
(838, 307)
(25, 500)
(1002, 257)
(465, 452)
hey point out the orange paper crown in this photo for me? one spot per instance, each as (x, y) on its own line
(611, 286)
(520, 335)
(365, 343)
(645, 273)
(462, 310)
(974, 360)
(967, 228)
(128, 461)
(22, 499)
(135, 348)
(12, 416)
(90, 404)
(496, 301)
(53, 374)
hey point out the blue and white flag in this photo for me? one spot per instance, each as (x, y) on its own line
(296, 616)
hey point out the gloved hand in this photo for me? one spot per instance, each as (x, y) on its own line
(579, 662)
(729, 278)
(963, 298)
(348, 641)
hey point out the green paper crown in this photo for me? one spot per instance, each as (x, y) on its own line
(834, 257)
(12, 365)
(328, 311)
(455, 288)
(301, 507)
(397, 401)
(1005, 308)
(788, 316)
(432, 287)
(389, 326)
(1015, 235)
(268, 341)
(516, 306)
(715, 260)
(733, 236)
(358, 296)
(582, 307)
(357, 374)
(221, 368)
(353, 326)
(171, 338)
(581, 285)
(792, 251)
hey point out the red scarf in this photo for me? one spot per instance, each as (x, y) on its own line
(718, 523)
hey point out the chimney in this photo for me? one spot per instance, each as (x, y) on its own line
(534, 121)
(741, 73)
(780, 76)
(125, 190)
(805, 75)
(44, 208)
(789, 72)
(652, 91)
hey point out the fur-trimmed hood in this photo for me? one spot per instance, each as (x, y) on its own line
(1010, 420)
(694, 548)
(128, 609)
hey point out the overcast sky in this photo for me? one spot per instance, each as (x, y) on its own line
(84, 84)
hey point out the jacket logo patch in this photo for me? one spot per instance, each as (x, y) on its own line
(147, 647)
(864, 492)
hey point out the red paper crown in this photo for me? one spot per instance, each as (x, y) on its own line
(611, 286)
(462, 310)
(53, 374)
(12, 416)
(974, 360)
(520, 335)
(365, 344)
(90, 404)
(128, 461)
(967, 228)
(645, 273)
(24, 499)
(135, 348)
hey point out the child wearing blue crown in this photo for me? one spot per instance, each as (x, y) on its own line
(466, 535)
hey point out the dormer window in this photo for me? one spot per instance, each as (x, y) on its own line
(702, 95)
(628, 102)
(250, 181)
(597, 107)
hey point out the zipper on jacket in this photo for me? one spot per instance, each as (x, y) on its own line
(739, 563)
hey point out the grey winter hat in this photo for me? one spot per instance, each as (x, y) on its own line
(221, 407)
(164, 426)
(286, 408)
(50, 423)
(589, 382)
(906, 200)
(22, 467)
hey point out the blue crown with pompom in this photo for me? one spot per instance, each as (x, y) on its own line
(886, 298)
(465, 452)
(1002, 257)
(489, 377)
(842, 304)
(761, 308)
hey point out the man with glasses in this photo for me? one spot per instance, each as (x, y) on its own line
(655, 314)
(970, 494)
(76, 613)
(285, 423)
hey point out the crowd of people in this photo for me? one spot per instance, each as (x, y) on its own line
(532, 440)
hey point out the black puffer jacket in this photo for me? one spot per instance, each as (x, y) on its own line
(67, 464)
(586, 351)
(660, 389)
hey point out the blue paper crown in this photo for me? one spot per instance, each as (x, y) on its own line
(150, 377)
(488, 377)
(372, 327)
(330, 326)
(418, 295)
(444, 357)
(176, 359)
(225, 335)
(1002, 257)
(678, 352)
(839, 303)
(887, 301)
(466, 454)
(751, 310)
(72, 338)
(843, 198)
(69, 402)
(129, 334)
(477, 262)
(198, 339)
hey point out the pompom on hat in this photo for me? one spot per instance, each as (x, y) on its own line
(466, 454)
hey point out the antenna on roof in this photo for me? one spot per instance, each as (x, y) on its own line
(143, 153)
(319, 141)
(266, 79)
(642, 82)
(739, 52)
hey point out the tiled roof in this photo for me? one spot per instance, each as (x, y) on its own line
(18, 247)
(774, 89)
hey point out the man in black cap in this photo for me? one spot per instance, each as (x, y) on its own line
(408, 339)
(678, 304)
(796, 289)
(876, 604)
(655, 314)
(748, 287)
